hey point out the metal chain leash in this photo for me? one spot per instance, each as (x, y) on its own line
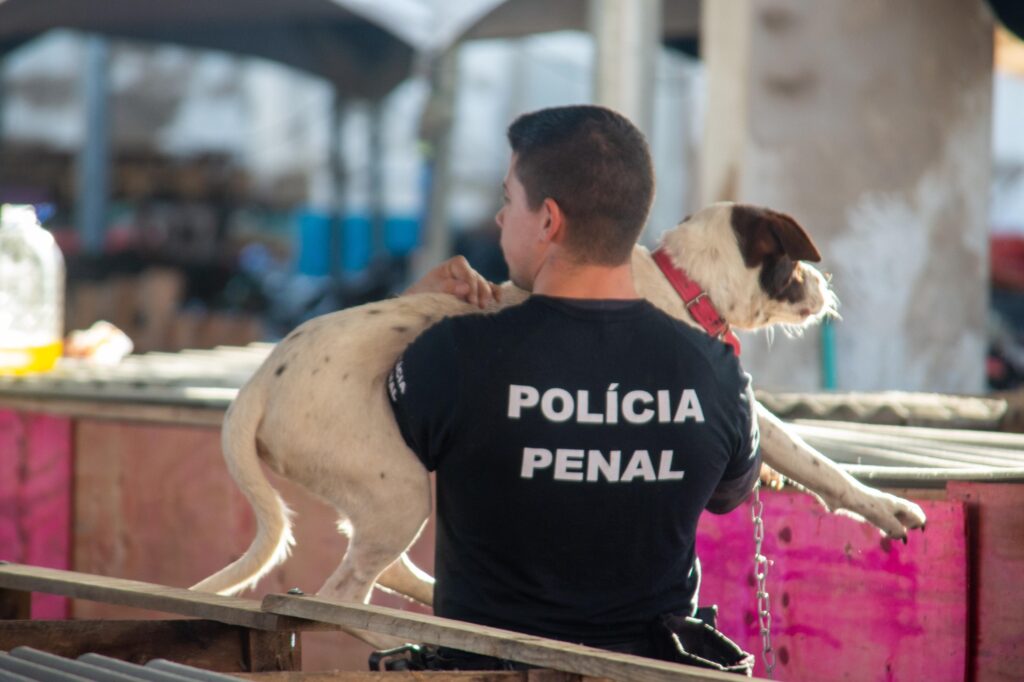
(764, 616)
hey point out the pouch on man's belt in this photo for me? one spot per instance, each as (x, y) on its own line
(682, 639)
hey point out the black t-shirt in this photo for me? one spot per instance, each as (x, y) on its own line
(576, 444)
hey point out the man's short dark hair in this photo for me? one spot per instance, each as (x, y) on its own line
(596, 165)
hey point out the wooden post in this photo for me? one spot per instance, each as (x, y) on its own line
(15, 605)
(270, 651)
(488, 641)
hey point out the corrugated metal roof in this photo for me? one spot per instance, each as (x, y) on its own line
(25, 663)
(894, 408)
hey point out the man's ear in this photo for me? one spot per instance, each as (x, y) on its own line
(554, 226)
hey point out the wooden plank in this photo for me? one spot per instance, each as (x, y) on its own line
(535, 675)
(201, 643)
(997, 566)
(846, 603)
(572, 658)
(232, 610)
(406, 676)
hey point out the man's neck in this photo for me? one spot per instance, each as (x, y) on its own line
(565, 279)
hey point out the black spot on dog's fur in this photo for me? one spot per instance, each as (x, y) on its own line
(294, 336)
(345, 376)
(280, 370)
(401, 330)
(382, 475)
(327, 359)
(373, 311)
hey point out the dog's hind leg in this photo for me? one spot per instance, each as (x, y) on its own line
(381, 531)
(409, 580)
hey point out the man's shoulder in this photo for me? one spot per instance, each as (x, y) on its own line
(481, 322)
(466, 330)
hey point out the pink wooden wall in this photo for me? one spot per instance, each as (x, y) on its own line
(35, 497)
(846, 603)
(996, 548)
(155, 503)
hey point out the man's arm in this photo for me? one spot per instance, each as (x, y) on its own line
(423, 389)
(745, 465)
(456, 276)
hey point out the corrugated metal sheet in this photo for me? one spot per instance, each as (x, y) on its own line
(896, 408)
(24, 663)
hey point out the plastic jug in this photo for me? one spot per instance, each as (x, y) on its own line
(31, 293)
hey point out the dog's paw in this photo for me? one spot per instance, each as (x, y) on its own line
(893, 515)
(770, 478)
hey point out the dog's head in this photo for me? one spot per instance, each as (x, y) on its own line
(751, 261)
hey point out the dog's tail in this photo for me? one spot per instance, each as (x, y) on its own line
(273, 517)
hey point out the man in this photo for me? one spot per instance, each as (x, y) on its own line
(576, 437)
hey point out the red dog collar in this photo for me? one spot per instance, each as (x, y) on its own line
(696, 301)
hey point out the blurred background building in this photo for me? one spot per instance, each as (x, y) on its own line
(331, 150)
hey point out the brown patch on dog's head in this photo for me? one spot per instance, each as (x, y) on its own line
(775, 243)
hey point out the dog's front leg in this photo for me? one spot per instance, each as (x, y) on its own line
(790, 455)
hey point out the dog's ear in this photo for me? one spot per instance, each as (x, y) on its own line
(762, 233)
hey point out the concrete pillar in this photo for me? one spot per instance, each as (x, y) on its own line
(869, 122)
(627, 37)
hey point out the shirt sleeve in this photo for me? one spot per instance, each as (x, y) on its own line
(423, 390)
(744, 466)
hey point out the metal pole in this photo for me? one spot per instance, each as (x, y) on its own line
(627, 37)
(94, 156)
(437, 134)
(3, 103)
(336, 171)
(376, 184)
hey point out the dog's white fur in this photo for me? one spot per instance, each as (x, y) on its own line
(316, 412)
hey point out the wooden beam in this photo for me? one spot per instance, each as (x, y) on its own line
(407, 676)
(545, 653)
(232, 610)
(537, 675)
(203, 644)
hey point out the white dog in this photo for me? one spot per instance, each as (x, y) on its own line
(316, 411)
